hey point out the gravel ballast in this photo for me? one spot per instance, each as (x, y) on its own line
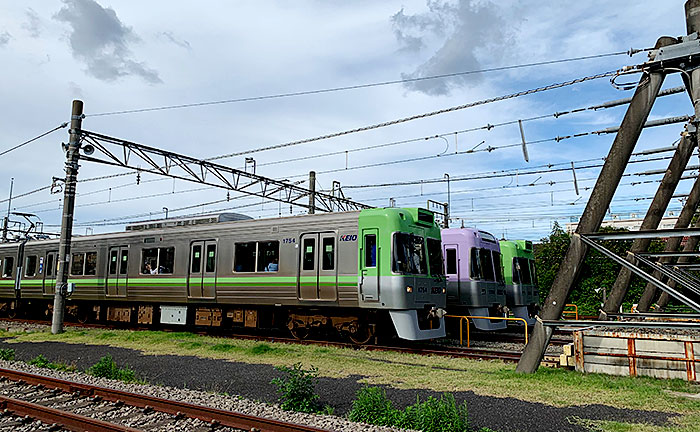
(203, 381)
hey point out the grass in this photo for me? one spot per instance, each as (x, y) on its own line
(556, 387)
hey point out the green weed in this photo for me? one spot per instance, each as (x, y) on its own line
(297, 389)
(107, 368)
(43, 362)
(7, 354)
(372, 406)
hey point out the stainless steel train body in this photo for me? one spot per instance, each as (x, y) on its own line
(522, 294)
(307, 270)
(475, 285)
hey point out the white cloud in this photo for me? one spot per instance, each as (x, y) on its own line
(101, 41)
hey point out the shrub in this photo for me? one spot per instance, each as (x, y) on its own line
(7, 354)
(372, 406)
(297, 388)
(434, 415)
(107, 368)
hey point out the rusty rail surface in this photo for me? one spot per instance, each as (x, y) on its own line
(207, 414)
(67, 420)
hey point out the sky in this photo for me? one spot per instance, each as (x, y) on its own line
(127, 55)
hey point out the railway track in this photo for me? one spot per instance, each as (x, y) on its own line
(65, 405)
(421, 349)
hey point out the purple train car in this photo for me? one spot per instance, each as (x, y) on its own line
(475, 283)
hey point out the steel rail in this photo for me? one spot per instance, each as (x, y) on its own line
(66, 419)
(212, 415)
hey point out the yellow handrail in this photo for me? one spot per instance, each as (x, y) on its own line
(466, 318)
(569, 312)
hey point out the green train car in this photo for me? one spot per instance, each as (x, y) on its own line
(522, 296)
(360, 273)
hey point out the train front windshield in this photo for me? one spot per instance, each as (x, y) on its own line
(522, 271)
(409, 254)
(437, 267)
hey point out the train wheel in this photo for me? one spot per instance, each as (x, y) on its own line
(300, 333)
(12, 313)
(362, 335)
(83, 316)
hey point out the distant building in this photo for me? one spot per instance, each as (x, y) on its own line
(632, 223)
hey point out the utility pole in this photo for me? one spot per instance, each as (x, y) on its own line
(312, 193)
(72, 158)
(598, 203)
(6, 222)
(449, 205)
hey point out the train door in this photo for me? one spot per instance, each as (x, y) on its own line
(50, 272)
(452, 270)
(369, 265)
(318, 274)
(202, 275)
(308, 270)
(117, 271)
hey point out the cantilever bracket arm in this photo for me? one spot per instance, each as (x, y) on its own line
(639, 272)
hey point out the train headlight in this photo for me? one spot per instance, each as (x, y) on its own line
(409, 289)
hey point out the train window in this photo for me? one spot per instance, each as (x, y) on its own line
(30, 268)
(210, 265)
(328, 253)
(77, 264)
(486, 265)
(113, 261)
(451, 258)
(516, 272)
(308, 262)
(533, 272)
(497, 266)
(244, 257)
(49, 264)
(370, 250)
(435, 257)
(196, 259)
(7, 267)
(524, 269)
(124, 262)
(475, 264)
(149, 261)
(157, 260)
(409, 254)
(90, 263)
(268, 256)
(166, 260)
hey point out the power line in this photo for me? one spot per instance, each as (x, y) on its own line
(487, 127)
(360, 86)
(419, 116)
(4, 152)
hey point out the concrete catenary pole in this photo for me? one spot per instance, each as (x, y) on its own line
(72, 158)
(312, 193)
(592, 217)
(673, 243)
(651, 221)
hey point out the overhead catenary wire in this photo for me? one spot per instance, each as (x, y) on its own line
(61, 126)
(362, 86)
(419, 116)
